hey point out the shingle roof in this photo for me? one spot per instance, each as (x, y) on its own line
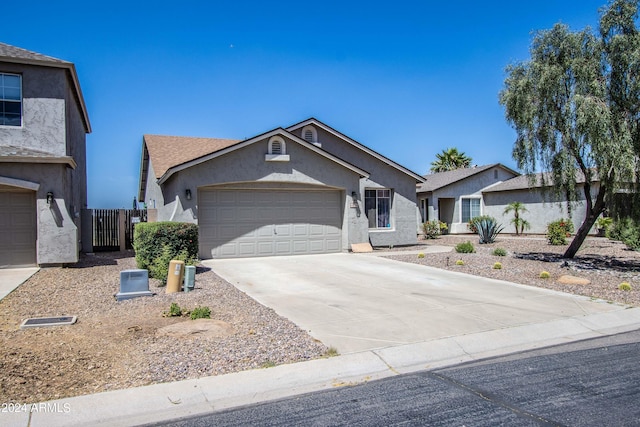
(13, 52)
(168, 151)
(523, 182)
(438, 180)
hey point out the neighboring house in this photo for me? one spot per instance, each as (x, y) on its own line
(542, 206)
(301, 190)
(457, 196)
(43, 182)
(454, 197)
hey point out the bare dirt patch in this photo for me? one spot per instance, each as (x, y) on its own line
(115, 345)
(603, 262)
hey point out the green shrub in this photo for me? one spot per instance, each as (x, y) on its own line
(201, 313)
(420, 255)
(624, 286)
(499, 252)
(544, 275)
(432, 229)
(465, 248)
(626, 231)
(459, 262)
(174, 311)
(157, 243)
(558, 231)
(497, 266)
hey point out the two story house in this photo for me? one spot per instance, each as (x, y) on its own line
(43, 177)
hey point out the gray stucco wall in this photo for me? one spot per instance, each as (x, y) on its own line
(472, 187)
(57, 232)
(248, 167)
(541, 209)
(44, 92)
(52, 123)
(403, 230)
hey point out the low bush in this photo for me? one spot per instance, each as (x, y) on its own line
(459, 262)
(497, 266)
(624, 286)
(499, 252)
(558, 231)
(432, 229)
(544, 275)
(420, 255)
(626, 231)
(174, 311)
(157, 243)
(465, 248)
(201, 313)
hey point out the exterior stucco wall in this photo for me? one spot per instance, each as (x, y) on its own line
(247, 168)
(469, 187)
(44, 91)
(541, 209)
(53, 123)
(58, 237)
(403, 213)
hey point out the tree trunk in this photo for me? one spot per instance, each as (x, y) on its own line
(580, 236)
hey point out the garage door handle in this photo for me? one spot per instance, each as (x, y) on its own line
(275, 231)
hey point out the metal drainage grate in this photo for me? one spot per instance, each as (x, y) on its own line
(48, 321)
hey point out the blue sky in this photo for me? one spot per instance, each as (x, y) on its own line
(406, 78)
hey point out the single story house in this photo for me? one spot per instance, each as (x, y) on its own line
(455, 197)
(43, 175)
(303, 189)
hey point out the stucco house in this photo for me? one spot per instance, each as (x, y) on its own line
(43, 182)
(303, 189)
(455, 197)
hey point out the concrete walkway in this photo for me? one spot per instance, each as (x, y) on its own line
(428, 319)
(11, 278)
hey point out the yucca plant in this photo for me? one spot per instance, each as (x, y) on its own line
(488, 229)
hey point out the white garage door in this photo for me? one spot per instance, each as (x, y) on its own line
(17, 228)
(246, 223)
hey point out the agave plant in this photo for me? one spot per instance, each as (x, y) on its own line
(488, 229)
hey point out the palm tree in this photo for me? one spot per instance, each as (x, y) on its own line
(519, 223)
(450, 159)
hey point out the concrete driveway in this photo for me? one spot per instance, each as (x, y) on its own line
(357, 302)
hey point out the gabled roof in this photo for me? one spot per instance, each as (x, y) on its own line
(16, 55)
(356, 144)
(436, 181)
(169, 151)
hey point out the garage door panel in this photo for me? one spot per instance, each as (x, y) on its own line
(269, 222)
(17, 228)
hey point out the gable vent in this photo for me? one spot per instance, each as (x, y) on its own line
(308, 135)
(276, 147)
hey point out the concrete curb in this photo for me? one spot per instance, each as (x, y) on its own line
(199, 396)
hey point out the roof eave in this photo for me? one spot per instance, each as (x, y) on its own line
(355, 143)
(69, 161)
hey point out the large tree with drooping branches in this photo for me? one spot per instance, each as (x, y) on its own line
(575, 106)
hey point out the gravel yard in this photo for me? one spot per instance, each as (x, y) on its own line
(117, 345)
(603, 262)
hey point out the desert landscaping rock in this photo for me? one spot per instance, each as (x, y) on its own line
(116, 345)
(568, 279)
(206, 328)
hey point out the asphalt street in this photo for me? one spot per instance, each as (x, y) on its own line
(588, 383)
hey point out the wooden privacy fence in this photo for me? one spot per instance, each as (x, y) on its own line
(112, 229)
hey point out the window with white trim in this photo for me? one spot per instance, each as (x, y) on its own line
(377, 206)
(10, 100)
(470, 208)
